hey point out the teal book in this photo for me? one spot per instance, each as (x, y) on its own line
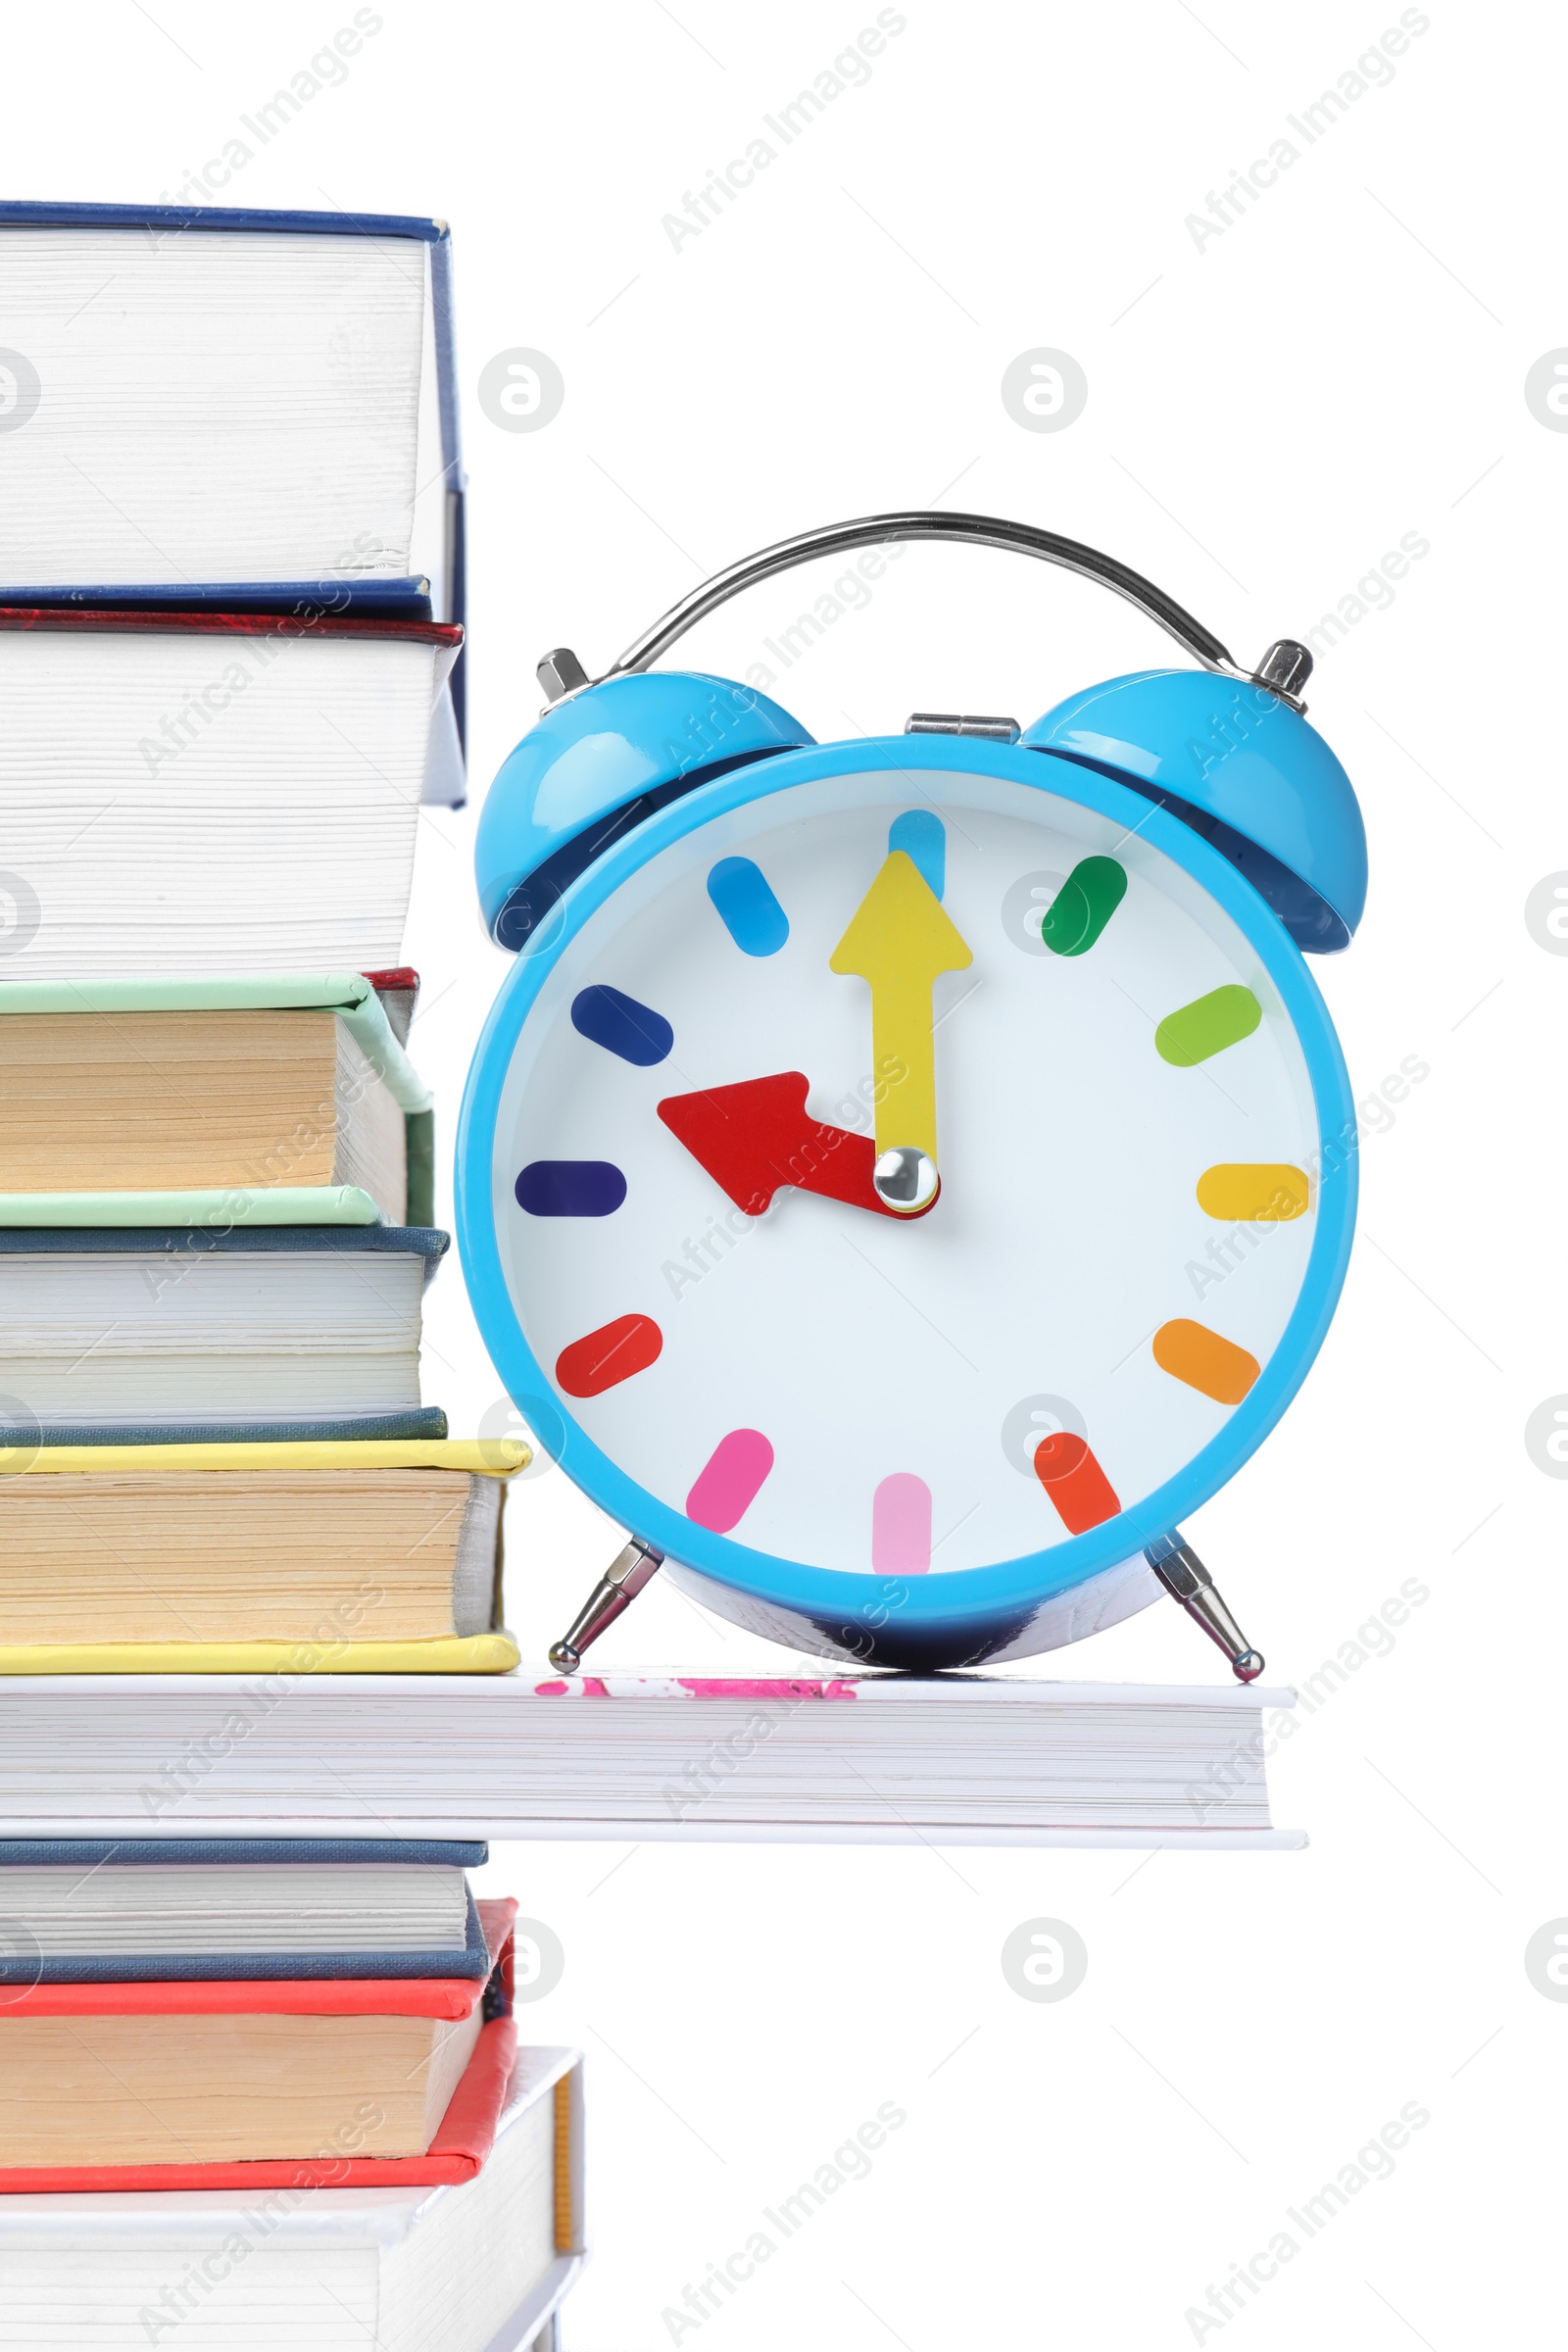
(210, 1102)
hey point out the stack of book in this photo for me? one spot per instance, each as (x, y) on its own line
(249, 2022)
(231, 657)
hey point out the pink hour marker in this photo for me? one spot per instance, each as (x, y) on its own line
(730, 1480)
(900, 1526)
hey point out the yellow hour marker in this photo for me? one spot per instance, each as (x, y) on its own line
(1254, 1193)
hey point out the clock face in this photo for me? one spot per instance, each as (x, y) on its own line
(907, 1170)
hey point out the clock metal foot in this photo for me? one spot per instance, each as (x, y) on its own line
(1185, 1578)
(615, 1592)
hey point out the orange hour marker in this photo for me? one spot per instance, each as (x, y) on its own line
(1191, 1352)
(1254, 1192)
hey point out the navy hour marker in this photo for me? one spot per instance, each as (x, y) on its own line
(570, 1188)
(621, 1025)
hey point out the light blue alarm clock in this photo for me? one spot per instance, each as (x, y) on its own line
(901, 1179)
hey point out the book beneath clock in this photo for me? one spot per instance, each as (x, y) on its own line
(885, 1760)
(480, 2267)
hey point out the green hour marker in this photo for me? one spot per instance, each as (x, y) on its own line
(1083, 906)
(1207, 1026)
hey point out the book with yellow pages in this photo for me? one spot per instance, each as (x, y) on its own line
(215, 2082)
(217, 1102)
(368, 1557)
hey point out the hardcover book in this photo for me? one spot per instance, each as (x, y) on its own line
(293, 442)
(480, 2267)
(882, 1758)
(230, 1326)
(245, 1101)
(141, 1910)
(369, 1558)
(216, 2082)
(212, 793)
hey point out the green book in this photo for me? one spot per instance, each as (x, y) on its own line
(210, 1102)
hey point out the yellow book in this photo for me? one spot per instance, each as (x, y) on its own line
(368, 1558)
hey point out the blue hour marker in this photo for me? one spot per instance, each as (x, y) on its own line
(747, 907)
(621, 1025)
(570, 1188)
(923, 838)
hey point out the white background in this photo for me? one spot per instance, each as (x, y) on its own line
(1266, 416)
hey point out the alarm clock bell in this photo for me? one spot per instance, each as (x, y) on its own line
(1226, 752)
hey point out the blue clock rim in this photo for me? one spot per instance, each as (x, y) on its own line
(999, 1587)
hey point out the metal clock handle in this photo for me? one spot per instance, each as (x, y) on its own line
(1284, 668)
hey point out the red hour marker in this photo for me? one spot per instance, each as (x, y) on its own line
(1083, 1494)
(602, 1358)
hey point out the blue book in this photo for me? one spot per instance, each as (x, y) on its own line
(342, 1429)
(293, 443)
(283, 1331)
(146, 1910)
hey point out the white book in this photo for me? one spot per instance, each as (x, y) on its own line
(478, 2267)
(112, 1914)
(258, 1323)
(256, 401)
(214, 794)
(887, 1759)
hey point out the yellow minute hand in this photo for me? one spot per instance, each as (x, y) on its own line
(899, 939)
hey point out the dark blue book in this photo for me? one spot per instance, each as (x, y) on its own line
(114, 1911)
(293, 446)
(244, 1331)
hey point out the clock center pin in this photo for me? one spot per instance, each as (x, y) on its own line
(905, 1179)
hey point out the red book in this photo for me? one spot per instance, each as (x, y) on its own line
(460, 2141)
(312, 620)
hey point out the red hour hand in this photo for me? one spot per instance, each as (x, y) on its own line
(755, 1138)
